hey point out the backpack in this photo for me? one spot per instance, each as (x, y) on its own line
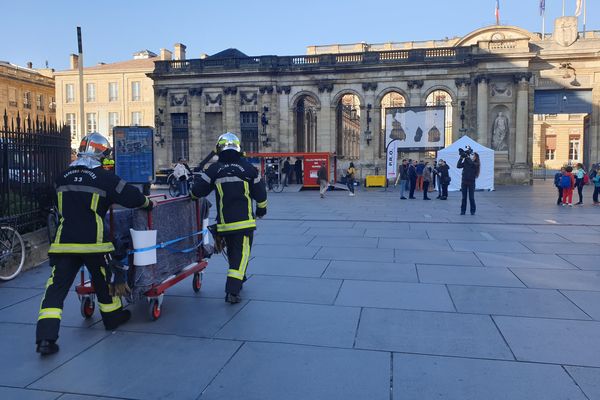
(565, 182)
(557, 178)
(586, 179)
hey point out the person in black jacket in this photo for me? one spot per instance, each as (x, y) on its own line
(412, 177)
(85, 192)
(237, 184)
(470, 166)
(443, 170)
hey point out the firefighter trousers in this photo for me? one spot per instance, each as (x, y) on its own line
(64, 271)
(238, 254)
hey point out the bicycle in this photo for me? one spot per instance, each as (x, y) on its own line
(12, 253)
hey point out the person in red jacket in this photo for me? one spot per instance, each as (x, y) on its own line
(567, 183)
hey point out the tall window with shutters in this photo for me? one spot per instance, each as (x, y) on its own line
(550, 148)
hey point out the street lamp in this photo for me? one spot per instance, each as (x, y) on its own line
(368, 133)
(160, 140)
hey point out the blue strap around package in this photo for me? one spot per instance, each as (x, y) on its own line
(166, 245)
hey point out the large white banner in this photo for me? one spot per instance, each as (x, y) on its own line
(415, 128)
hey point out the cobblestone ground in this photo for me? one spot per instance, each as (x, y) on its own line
(364, 297)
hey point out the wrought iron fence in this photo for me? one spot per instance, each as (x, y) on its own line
(32, 154)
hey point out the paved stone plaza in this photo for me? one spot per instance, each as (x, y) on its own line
(350, 298)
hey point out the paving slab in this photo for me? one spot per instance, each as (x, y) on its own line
(548, 261)
(565, 230)
(539, 303)
(458, 235)
(499, 228)
(552, 340)
(266, 265)
(437, 257)
(428, 377)
(330, 224)
(291, 289)
(567, 248)
(281, 371)
(8, 393)
(84, 397)
(489, 246)
(588, 380)
(286, 239)
(433, 226)
(482, 276)
(409, 296)
(213, 285)
(345, 241)
(435, 333)
(293, 323)
(371, 271)
(178, 367)
(587, 301)
(589, 262)
(355, 254)
(395, 233)
(280, 230)
(414, 244)
(26, 366)
(559, 279)
(10, 296)
(35, 278)
(336, 232)
(280, 250)
(384, 225)
(529, 237)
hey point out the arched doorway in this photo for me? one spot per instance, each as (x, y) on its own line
(348, 127)
(390, 100)
(305, 115)
(443, 98)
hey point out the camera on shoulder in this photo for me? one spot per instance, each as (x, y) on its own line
(466, 152)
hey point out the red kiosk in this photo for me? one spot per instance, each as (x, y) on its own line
(311, 162)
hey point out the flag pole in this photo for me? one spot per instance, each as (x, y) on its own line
(563, 8)
(543, 25)
(584, 16)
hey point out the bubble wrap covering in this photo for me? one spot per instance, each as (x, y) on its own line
(171, 220)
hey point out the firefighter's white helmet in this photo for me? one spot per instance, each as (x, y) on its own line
(228, 141)
(94, 145)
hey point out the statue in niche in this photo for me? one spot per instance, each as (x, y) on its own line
(397, 131)
(500, 132)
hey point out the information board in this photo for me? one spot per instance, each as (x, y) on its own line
(312, 164)
(134, 153)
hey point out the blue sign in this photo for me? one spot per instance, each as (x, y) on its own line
(134, 153)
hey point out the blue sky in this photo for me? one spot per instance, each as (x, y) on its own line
(114, 30)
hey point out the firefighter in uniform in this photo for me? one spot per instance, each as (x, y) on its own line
(85, 191)
(237, 184)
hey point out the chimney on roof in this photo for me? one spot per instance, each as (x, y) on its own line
(29, 65)
(74, 61)
(165, 55)
(179, 51)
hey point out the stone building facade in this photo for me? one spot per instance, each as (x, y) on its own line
(27, 92)
(491, 82)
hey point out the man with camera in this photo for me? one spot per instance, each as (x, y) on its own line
(470, 165)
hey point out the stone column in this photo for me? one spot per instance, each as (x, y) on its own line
(482, 110)
(414, 87)
(594, 133)
(368, 152)
(161, 156)
(195, 123)
(522, 121)
(266, 100)
(283, 136)
(326, 133)
(231, 114)
(462, 90)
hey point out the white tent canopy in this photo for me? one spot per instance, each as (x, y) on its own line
(449, 154)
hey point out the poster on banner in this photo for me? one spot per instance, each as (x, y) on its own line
(415, 128)
(134, 153)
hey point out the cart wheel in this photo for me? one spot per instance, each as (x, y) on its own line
(154, 310)
(197, 282)
(87, 307)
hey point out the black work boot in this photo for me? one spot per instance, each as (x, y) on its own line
(46, 347)
(113, 320)
(232, 298)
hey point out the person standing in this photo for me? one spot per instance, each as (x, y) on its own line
(470, 166)
(182, 173)
(580, 182)
(237, 185)
(323, 181)
(402, 178)
(350, 173)
(85, 192)
(412, 176)
(434, 180)
(298, 171)
(286, 171)
(567, 183)
(426, 180)
(444, 179)
(557, 178)
(596, 181)
(420, 167)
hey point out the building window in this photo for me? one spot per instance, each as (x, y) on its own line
(92, 123)
(136, 118)
(113, 91)
(90, 89)
(113, 120)
(69, 93)
(550, 147)
(71, 121)
(574, 148)
(179, 129)
(550, 154)
(249, 131)
(52, 105)
(40, 102)
(27, 99)
(136, 94)
(12, 97)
